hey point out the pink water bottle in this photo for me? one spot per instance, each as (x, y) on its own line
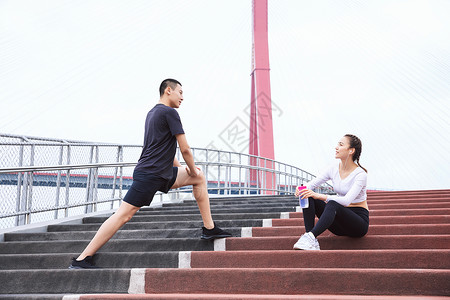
(304, 203)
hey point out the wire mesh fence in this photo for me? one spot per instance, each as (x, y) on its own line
(46, 179)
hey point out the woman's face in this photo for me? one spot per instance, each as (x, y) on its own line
(343, 150)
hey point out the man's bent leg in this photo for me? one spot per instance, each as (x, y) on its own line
(200, 192)
(109, 228)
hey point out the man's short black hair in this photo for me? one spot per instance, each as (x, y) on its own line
(168, 82)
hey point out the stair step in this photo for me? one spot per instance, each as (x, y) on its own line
(189, 217)
(343, 243)
(389, 259)
(158, 225)
(248, 281)
(379, 220)
(383, 209)
(231, 203)
(64, 281)
(243, 297)
(34, 296)
(395, 229)
(163, 259)
(237, 210)
(115, 245)
(401, 206)
(299, 281)
(396, 212)
(439, 192)
(121, 234)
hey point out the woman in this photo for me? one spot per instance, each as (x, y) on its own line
(344, 214)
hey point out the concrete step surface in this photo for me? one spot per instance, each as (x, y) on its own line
(191, 205)
(214, 210)
(379, 220)
(397, 212)
(343, 243)
(395, 229)
(293, 281)
(151, 259)
(64, 281)
(114, 245)
(158, 225)
(190, 217)
(389, 259)
(121, 234)
(239, 280)
(210, 296)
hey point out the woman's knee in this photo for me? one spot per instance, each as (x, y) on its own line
(332, 203)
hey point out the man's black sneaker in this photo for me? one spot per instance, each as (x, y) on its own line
(86, 263)
(215, 233)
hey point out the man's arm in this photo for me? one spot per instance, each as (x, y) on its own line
(187, 154)
(176, 163)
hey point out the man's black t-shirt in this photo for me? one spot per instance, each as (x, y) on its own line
(160, 143)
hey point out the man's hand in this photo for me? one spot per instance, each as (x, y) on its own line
(193, 174)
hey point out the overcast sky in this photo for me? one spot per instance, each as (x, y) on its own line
(90, 70)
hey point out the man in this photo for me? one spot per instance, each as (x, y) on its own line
(158, 170)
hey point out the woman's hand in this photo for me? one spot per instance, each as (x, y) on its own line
(306, 193)
(297, 191)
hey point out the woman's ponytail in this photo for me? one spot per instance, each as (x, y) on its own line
(355, 142)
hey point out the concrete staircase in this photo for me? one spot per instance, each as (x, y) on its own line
(158, 255)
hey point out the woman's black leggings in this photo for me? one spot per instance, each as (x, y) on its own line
(340, 220)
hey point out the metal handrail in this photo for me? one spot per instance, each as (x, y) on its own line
(65, 167)
(226, 174)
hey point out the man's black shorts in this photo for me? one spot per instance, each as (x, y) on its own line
(146, 185)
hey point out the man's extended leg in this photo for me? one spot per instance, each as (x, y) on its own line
(200, 193)
(109, 228)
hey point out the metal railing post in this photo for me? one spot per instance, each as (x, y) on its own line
(265, 177)
(95, 188)
(20, 220)
(240, 171)
(279, 176)
(218, 172)
(24, 197)
(116, 170)
(29, 187)
(207, 169)
(89, 185)
(66, 210)
(58, 182)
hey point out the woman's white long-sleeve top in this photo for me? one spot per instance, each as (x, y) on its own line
(352, 189)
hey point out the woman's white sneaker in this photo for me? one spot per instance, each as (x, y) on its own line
(307, 242)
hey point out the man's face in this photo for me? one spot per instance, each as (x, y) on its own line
(175, 96)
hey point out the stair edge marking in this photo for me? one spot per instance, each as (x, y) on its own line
(246, 232)
(267, 223)
(137, 281)
(184, 259)
(220, 245)
(71, 297)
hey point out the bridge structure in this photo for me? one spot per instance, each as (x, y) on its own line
(261, 142)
